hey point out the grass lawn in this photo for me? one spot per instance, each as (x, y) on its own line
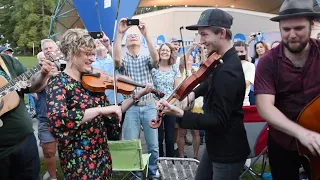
(28, 61)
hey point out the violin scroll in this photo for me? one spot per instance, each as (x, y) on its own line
(158, 93)
(155, 123)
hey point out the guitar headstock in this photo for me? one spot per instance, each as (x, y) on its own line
(55, 56)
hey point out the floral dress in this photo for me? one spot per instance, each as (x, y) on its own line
(83, 148)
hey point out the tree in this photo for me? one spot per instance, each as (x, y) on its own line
(24, 23)
(6, 22)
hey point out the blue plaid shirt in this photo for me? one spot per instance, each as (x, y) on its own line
(138, 68)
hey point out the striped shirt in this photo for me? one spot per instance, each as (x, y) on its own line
(138, 68)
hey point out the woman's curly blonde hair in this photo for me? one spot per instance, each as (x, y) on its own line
(173, 53)
(73, 40)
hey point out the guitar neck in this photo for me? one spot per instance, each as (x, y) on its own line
(19, 82)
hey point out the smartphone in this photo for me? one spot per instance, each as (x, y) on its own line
(132, 22)
(96, 35)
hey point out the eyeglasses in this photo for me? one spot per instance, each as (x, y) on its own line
(89, 54)
(132, 35)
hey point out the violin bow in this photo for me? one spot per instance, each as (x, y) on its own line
(184, 57)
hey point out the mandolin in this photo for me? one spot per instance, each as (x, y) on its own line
(309, 118)
(9, 98)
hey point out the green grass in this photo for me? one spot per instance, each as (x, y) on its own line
(28, 61)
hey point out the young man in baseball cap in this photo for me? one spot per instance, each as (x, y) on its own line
(287, 79)
(227, 146)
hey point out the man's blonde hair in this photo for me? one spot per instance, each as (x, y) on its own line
(43, 41)
(73, 40)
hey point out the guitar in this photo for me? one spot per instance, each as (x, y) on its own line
(309, 118)
(9, 98)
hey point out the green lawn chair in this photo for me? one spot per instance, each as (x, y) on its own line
(127, 157)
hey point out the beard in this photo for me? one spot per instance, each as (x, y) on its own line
(296, 49)
(302, 45)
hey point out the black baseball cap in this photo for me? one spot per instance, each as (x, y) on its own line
(213, 17)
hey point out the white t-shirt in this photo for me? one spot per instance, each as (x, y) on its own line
(249, 72)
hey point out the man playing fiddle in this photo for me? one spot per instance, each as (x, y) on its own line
(227, 146)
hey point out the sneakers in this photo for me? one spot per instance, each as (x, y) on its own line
(46, 176)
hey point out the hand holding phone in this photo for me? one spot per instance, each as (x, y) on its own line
(96, 35)
(123, 27)
(133, 22)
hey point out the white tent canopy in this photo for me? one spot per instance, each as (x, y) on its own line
(267, 6)
(66, 16)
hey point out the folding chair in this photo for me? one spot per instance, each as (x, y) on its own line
(257, 133)
(177, 168)
(127, 156)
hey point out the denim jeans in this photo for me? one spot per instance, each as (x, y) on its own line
(166, 131)
(252, 98)
(141, 115)
(23, 163)
(208, 170)
(44, 134)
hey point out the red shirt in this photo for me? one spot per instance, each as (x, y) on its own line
(293, 87)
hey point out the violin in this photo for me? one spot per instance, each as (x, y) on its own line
(188, 85)
(99, 82)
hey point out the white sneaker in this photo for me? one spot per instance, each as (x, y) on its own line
(46, 176)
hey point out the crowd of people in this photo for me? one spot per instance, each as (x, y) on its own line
(77, 123)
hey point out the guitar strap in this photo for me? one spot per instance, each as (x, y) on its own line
(4, 66)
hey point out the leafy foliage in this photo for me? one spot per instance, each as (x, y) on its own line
(25, 22)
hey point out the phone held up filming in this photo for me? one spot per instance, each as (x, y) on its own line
(133, 22)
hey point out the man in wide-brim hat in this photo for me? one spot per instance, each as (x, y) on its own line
(286, 81)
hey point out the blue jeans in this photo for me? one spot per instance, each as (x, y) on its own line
(252, 99)
(141, 115)
(23, 163)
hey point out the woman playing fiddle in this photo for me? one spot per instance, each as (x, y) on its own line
(227, 146)
(80, 120)
(166, 76)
